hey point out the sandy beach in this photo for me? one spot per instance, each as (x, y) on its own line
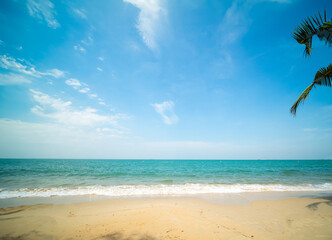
(154, 219)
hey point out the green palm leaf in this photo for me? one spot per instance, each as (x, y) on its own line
(302, 98)
(316, 25)
(323, 78)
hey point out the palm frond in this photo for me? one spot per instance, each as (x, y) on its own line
(325, 33)
(311, 26)
(324, 76)
(301, 99)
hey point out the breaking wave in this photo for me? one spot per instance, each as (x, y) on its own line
(161, 189)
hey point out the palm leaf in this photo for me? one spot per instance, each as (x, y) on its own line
(325, 33)
(316, 25)
(302, 98)
(323, 77)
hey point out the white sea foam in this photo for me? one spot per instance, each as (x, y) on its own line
(141, 190)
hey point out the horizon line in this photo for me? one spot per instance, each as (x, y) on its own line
(176, 159)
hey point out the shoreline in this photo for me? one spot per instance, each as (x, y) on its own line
(243, 198)
(174, 218)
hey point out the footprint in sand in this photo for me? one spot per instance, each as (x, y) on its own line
(71, 214)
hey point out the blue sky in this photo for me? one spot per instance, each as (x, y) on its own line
(160, 79)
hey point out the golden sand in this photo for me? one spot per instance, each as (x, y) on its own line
(170, 219)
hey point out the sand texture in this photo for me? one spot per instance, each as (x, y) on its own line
(170, 219)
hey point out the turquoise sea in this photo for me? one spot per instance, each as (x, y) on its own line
(25, 178)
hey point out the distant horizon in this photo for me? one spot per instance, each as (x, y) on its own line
(151, 159)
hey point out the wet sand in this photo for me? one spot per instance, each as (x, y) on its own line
(154, 219)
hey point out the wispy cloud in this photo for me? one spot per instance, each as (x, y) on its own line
(236, 21)
(70, 142)
(21, 66)
(18, 66)
(12, 79)
(99, 69)
(224, 66)
(100, 58)
(84, 90)
(233, 27)
(88, 40)
(63, 112)
(80, 48)
(77, 85)
(80, 12)
(149, 19)
(55, 73)
(166, 111)
(93, 95)
(43, 9)
(82, 45)
(320, 130)
(310, 129)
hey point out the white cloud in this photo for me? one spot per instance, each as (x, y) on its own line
(17, 66)
(88, 40)
(27, 139)
(317, 130)
(46, 100)
(93, 95)
(100, 58)
(62, 112)
(99, 69)
(55, 73)
(81, 13)
(19, 48)
(84, 90)
(12, 79)
(149, 20)
(109, 130)
(43, 9)
(166, 111)
(21, 66)
(133, 46)
(310, 129)
(76, 84)
(54, 140)
(235, 23)
(80, 48)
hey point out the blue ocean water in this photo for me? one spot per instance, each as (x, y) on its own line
(70, 177)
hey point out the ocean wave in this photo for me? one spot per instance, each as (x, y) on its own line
(161, 189)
